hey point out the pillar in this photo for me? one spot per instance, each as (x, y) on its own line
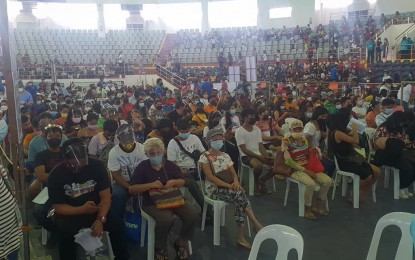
(205, 15)
(135, 20)
(101, 19)
(26, 18)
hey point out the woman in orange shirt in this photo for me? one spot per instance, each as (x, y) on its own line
(373, 111)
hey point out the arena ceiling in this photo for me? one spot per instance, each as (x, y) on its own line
(117, 1)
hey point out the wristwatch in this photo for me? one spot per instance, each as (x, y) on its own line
(103, 219)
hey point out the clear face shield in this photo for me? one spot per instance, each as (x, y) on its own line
(125, 134)
(76, 156)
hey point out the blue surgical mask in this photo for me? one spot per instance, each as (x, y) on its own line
(232, 111)
(141, 105)
(217, 145)
(156, 160)
(388, 111)
(184, 135)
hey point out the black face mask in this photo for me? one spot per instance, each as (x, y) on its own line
(289, 100)
(252, 121)
(54, 142)
(159, 107)
(266, 117)
(216, 122)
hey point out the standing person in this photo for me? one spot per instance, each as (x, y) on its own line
(79, 190)
(385, 48)
(230, 59)
(404, 94)
(122, 160)
(378, 49)
(249, 141)
(9, 224)
(370, 45)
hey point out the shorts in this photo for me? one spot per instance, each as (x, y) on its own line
(246, 160)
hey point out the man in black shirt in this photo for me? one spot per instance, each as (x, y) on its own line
(177, 113)
(79, 190)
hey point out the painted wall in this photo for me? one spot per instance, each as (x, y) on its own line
(302, 11)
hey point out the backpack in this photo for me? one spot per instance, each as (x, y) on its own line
(104, 152)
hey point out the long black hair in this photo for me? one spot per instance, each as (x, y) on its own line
(212, 116)
(340, 120)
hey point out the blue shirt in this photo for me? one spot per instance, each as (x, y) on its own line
(32, 90)
(25, 97)
(158, 90)
(39, 144)
(370, 45)
(207, 87)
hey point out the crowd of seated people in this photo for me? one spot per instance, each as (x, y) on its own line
(138, 132)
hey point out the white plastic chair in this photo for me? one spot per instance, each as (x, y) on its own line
(44, 236)
(401, 220)
(242, 168)
(396, 180)
(356, 185)
(301, 192)
(219, 207)
(286, 237)
(147, 219)
(369, 135)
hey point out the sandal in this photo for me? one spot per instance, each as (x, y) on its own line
(161, 254)
(181, 251)
(310, 215)
(244, 244)
(322, 212)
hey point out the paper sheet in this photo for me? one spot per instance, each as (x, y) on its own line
(360, 125)
(42, 197)
(87, 241)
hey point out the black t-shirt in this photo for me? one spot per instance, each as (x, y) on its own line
(68, 187)
(145, 173)
(49, 159)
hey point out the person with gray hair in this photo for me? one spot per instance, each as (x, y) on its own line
(222, 183)
(152, 174)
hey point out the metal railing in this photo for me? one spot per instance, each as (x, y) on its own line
(170, 76)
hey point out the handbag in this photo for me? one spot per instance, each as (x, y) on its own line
(225, 175)
(314, 164)
(195, 155)
(132, 223)
(167, 198)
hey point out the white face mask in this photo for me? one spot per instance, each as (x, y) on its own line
(4, 108)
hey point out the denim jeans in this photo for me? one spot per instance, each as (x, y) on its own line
(119, 200)
(13, 255)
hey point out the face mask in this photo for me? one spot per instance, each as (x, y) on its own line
(3, 108)
(21, 90)
(309, 99)
(265, 117)
(54, 142)
(39, 102)
(159, 107)
(92, 126)
(205, 96)
(141, 105)
(216, 145)
(87, 109)
(128, 146)
(308, 115)
(64, 115)
(76, 120)
(289, 100)
(184, 135)
(388, 111)
(232, 111)
(156, 160)
(297, 135)
(282, 107)
(252, 121)
(338, 106)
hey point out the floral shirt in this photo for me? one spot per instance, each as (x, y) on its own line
(383, 132)
(219, 163)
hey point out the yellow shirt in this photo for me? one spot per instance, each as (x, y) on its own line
(201, 120)
(291, 105)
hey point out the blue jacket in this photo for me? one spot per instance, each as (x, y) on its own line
(370, 45)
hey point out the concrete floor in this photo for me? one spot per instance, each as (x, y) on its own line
(343, 235)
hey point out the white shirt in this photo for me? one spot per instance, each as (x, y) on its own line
(406, 93)
(360, 111)
(175, 154)
(235, 123)
(384, 87)
(118, 160)
(206, 129)
(380, 118)
(250, 139)
(311, 130)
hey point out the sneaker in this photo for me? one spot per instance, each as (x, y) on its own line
(402, 194)
(409, 194)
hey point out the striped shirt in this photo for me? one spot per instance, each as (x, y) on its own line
(299, 154)
(10, 232)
